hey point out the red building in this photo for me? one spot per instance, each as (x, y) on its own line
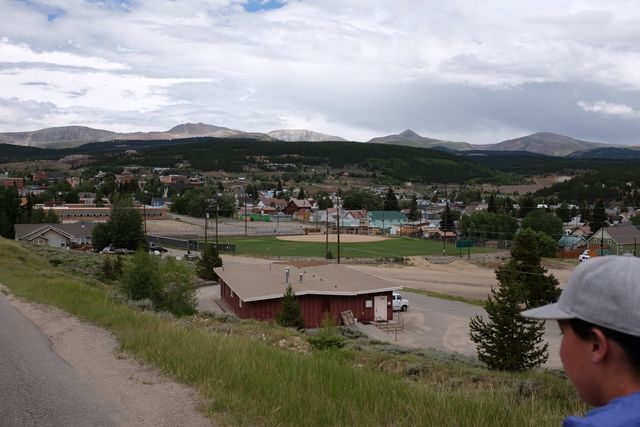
(255, 292)
(40, 177)
(297, 207)
(11, 182)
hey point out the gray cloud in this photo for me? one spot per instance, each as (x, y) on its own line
(356, 68)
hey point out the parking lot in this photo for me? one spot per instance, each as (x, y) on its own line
(444, 325)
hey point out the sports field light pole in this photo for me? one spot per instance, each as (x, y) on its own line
(217, 213)
(338, 225)
(444, 235)
(206, 224)
(326, 230)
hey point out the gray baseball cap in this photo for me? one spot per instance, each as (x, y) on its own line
(604, 291)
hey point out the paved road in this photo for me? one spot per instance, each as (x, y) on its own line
(37, 387)
(444, 325)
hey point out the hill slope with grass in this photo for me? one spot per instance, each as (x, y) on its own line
(249, 374)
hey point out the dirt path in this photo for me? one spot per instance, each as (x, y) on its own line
(142, 396)
(456, 278)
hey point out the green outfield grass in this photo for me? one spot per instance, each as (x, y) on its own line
(394, 247)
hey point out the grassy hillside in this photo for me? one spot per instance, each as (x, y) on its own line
(250, 373)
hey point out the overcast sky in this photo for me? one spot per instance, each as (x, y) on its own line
(475, 71)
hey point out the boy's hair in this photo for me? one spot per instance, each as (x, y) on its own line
(629, 343)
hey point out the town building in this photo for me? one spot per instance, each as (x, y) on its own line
(617, 239)
(256, 291)
(56, 235)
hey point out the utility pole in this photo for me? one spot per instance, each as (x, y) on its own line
(245, 214)
(338, 224)
(326, 231)
(217, 212)
(602, 241)
(444, 230)
(144, 214)
(206, 224)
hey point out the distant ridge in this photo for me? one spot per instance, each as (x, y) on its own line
(302, 135)
(614, 153)
(544, 143)
(549, 144)
(410, 138)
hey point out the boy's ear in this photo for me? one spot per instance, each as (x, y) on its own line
(599, 345)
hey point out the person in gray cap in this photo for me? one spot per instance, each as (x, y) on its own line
(599, 317)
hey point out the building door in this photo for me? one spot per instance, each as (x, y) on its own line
(380, 307)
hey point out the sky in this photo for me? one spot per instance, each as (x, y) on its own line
(461, 70)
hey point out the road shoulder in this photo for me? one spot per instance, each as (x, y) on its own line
(141, 394)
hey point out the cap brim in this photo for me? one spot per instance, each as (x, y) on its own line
(547, 312)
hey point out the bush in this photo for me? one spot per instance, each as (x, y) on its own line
(328, 336)
(142, 277)
(110, 269)
(169, 285)
(178, 294)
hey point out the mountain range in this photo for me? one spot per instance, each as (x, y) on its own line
(541, 143)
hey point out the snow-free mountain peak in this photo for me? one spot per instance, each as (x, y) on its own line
(302, 135)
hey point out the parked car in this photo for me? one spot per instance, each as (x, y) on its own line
(191, 256)
(399, 303)
(158, 249)
(584, 256)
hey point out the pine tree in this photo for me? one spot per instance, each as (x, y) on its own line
(506, 340)
(492, 206)
(527, 204)
(290, 315)
(447, 220)
(390, 201)
(210, 260)
(564, 212)
(598, 217)
(414, 212)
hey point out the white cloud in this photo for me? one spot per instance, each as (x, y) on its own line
(610, 109)
(335, 65)
(15, 54)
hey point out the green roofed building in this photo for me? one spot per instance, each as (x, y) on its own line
(385, 219)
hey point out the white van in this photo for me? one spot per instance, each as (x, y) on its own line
(399, 303)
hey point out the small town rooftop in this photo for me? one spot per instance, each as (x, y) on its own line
(267, 281)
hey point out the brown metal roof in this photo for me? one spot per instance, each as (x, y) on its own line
(623, 234)
(267, 281)
(76, 229)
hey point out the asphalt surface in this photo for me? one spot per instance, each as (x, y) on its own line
(444, 325)
(38, 387)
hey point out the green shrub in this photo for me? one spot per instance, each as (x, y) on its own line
(290, 315)
(210, 260)
(142, 277)
(178, 294)
(328, 336)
